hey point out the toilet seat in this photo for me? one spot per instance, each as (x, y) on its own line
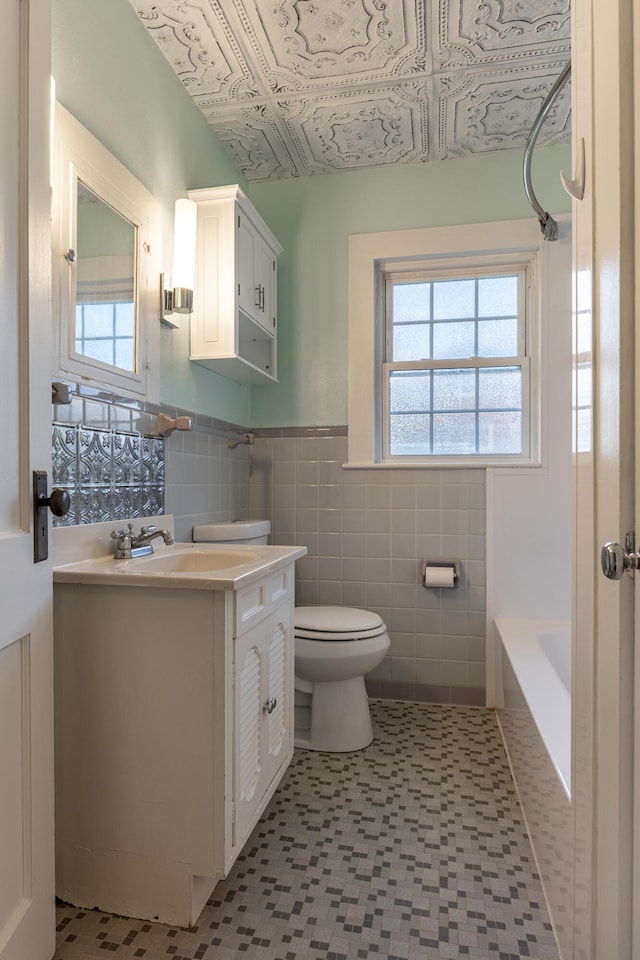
(336, 623)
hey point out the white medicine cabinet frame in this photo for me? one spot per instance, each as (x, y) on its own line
(234, 319)
(121, 290)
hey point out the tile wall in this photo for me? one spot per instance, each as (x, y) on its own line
(367, 532)
(106, 451)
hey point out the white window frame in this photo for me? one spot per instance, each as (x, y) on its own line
(434, 271)
(497, 245)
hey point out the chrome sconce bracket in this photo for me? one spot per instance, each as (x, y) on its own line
(173, 302)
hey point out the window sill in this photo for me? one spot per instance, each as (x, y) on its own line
(440, 463)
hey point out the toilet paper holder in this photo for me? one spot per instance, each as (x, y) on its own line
(439, 566)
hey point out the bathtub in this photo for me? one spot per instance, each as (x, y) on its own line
(539, 654)
(534, 715)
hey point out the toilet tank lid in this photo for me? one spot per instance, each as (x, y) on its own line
(231, 530)
(335, 619)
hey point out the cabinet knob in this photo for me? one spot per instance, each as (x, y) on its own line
(270, 704)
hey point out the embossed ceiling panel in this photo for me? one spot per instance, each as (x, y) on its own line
(299, 87)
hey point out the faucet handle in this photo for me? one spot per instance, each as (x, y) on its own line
(149, 529)
(119, 534)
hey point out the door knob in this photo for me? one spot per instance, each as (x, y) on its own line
(270, 704)
(59, 503)
(616, 559)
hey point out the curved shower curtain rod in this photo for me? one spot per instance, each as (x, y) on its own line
(548, 225)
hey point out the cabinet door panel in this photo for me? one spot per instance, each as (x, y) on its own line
(277, 689)
(248, 729)
(247, 296)
(264, 282)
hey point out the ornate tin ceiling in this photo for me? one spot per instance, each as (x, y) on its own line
(300, 87)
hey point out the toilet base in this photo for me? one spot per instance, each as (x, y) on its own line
(340, 718)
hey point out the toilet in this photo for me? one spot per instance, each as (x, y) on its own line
(334, 648)
(232, 531)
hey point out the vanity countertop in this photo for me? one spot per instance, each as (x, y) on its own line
(200, 566)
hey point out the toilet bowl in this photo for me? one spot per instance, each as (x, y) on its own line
(334, 648)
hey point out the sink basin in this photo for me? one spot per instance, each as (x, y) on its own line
(190, 561)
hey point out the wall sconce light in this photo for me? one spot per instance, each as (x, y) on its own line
(179, 298)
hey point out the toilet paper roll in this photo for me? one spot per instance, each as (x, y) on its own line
(435, 576)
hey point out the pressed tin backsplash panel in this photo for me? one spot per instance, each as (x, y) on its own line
(108, 475)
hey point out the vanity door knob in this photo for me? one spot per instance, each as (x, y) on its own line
(270, 704)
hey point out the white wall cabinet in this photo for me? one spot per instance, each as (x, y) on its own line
(174, 726)
(234, 320)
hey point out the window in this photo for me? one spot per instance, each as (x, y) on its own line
(456, 371)
(444, 345)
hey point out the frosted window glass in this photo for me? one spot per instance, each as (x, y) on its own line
(470, 408)
(409, 435)
(124, 354)
(98, 350)
(411, 302)
(454, 390)
(409, 391)
(498, 338)
(97, 319)
(454, 299)
(452, 341)
(454, 433)
(498, 297)
(500, 433)
(500, 387)
(125, 321)
(411, 342)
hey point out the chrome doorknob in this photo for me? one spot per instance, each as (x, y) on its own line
(270, 704)
(615, 559)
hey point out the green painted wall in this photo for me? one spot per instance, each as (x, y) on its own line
(313, 217)
(111, 76)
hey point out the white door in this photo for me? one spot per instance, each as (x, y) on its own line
(27, 925)
(603, 708)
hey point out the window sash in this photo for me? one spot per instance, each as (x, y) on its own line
(468, 271)
(477, 456)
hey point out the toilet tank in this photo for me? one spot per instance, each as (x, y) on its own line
(233, 531)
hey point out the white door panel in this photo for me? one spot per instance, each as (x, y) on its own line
(27, 922)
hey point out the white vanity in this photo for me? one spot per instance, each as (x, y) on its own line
(174, 720)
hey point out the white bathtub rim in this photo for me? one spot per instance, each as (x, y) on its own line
(546, 695)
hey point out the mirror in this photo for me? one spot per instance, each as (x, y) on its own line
(105, 272)
(105, 317)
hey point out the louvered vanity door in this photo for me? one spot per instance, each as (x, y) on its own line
(263, 712)
(276, 714)
(249, 683)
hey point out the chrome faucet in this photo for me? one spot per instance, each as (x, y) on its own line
(129, 546)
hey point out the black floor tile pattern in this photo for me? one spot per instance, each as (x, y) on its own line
(413, 849)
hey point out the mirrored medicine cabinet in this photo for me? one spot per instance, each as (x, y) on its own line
(105, 266)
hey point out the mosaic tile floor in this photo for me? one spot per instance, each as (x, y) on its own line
(413, 848)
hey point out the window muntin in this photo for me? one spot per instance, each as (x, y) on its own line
(456, 374)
